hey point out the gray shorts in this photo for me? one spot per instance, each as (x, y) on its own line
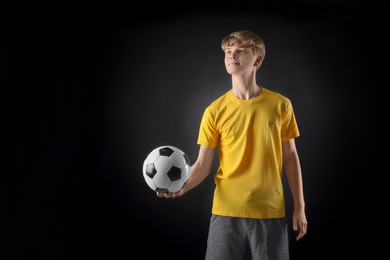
(233, 238)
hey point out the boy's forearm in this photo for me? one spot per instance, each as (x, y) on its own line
(197, 175)
(294, 177)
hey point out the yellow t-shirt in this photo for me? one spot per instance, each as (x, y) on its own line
(249, 135)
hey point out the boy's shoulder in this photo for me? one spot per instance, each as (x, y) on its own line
(221, 99)
(277, 96)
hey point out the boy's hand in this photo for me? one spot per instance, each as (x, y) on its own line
(169, 195)
(299, 223)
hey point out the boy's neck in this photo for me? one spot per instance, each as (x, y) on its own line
(245, 88)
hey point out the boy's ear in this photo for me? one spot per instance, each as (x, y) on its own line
(258, 60)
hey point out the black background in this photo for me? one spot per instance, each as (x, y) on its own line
(89, 89)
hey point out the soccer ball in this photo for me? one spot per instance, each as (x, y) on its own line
(166, 169)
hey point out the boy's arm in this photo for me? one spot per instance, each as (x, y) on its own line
(294, 176)
(198, 172)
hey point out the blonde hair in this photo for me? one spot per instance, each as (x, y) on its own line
(246, 39)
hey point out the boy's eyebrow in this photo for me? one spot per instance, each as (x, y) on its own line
(238, 47)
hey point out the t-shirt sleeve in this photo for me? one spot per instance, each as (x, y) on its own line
(289, 124)
(208, 135)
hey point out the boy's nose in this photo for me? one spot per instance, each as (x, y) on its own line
(233, 56)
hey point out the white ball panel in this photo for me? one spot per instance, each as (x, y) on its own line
(152, 156)
(186, 172)
(178, 159)
(163, 164)
(176, 185)
(161, 180)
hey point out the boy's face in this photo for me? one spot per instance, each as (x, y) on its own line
(240, 60)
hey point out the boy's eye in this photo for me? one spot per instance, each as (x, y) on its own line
(238, 51)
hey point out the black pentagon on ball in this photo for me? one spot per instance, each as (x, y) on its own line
(150, 170)
(166, 151)
(162, 190)
(174, 173)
